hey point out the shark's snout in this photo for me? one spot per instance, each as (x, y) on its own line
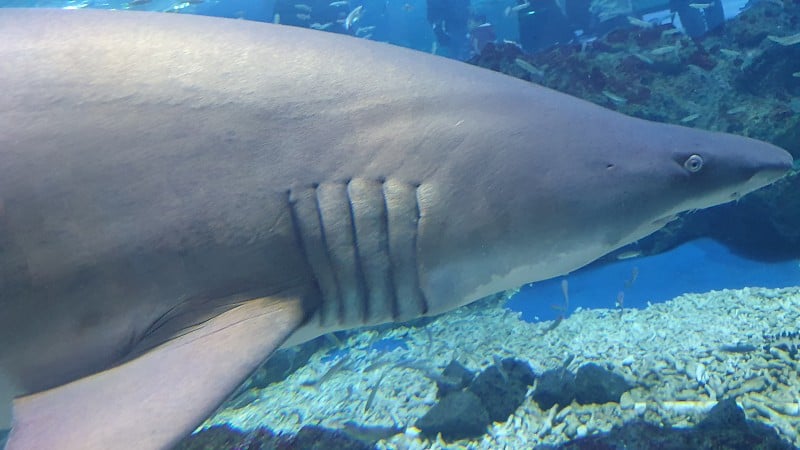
(773, 163)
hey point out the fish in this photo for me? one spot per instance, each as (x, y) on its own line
(170, 215)
(690, 118)
(701, 6)
(517, 8)
(364, 30)
(664, 50)
(628, 254)
(785, 40)
(320, 26)
(637, 22)
(528, 67)
(353, 16)
(643, 58)
(616, 99)
(730, 53)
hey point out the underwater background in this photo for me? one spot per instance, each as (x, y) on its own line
(686, 339)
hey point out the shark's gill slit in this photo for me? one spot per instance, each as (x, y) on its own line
(371, 232)
(403, 213)
(355, 208)
(337, 227)
(394, 307)
(307, 219)
(360, 240)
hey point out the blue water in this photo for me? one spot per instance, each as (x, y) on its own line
(698, 266)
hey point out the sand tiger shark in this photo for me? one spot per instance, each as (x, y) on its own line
(180, 196)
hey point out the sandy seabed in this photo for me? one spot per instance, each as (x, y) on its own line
(676, 354)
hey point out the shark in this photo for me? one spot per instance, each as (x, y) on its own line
(180, 196)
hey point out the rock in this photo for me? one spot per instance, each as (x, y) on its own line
(556, 386)
(223, 436)
(594, 384)
(458, 415)
(502, 388)
(308, 438)
(455, 377)
(312, 437)
(725, 427)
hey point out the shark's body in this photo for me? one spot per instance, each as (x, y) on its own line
(181, 195)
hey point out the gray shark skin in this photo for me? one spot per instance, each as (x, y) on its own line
(179, 196)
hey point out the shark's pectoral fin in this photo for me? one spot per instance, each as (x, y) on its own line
(154, 400)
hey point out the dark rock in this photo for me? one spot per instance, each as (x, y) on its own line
(725, 428)
(218, 436)
(455, 377)
(223, 436)
(458, 415)
(594, 384)
(312, 437)
(502, 388)
(556, 386)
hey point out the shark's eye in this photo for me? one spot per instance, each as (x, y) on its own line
(693, 163)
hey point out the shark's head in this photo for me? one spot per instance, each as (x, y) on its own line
(544, 206)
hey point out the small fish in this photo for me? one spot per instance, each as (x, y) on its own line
(364, 30)
(320, 26)
(528, 67)
(138, 2)
(690, 118)
(615, 98)
(730, 53)
(796, 74)
(302, 7)
(639, 22)
(517, 8)
(628, 255)
(785, 40)
(276, 19)
(338, 4)
(701, 6)
(643, 58)
(353, 17)
(371, 397)
(664, 50)
(370, 434)
(334, 369)
(303, 16)
(670, 32)
(634, 275)
(737, 110)
(498, 362)
(376, 365)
